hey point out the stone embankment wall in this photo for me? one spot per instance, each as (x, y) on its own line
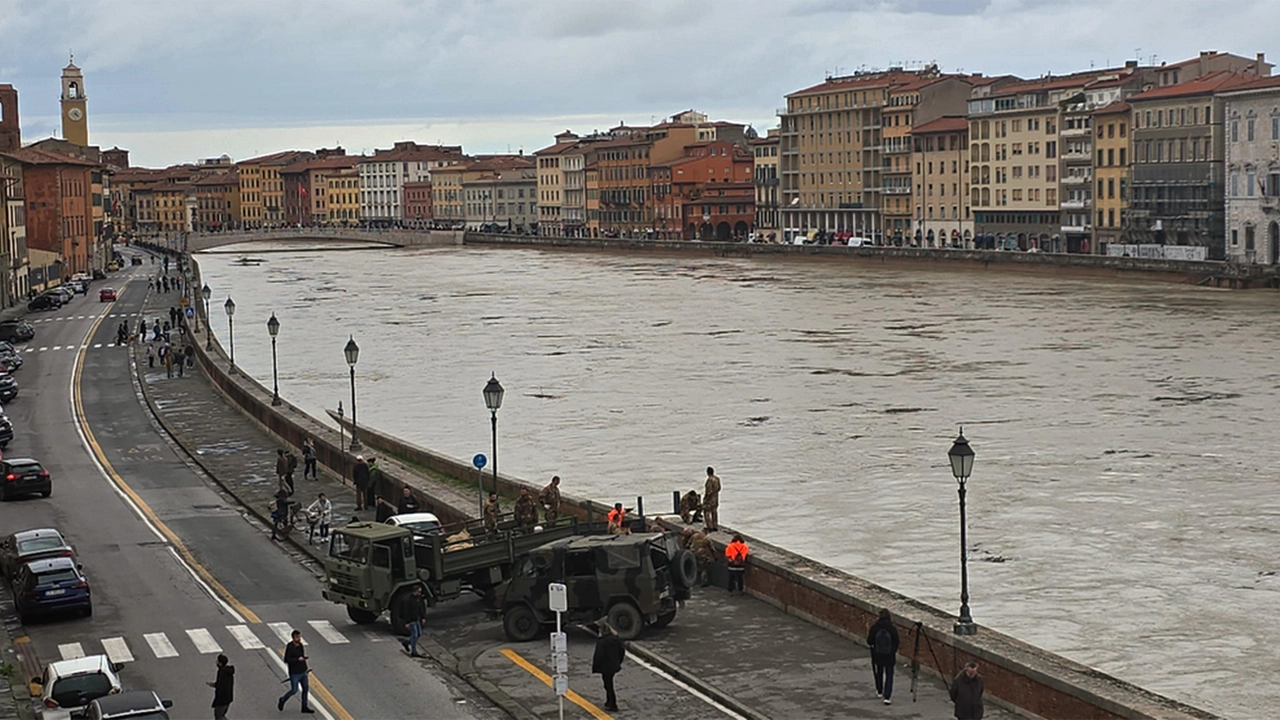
(1020, 676)
(1181, 271)
(195, 242)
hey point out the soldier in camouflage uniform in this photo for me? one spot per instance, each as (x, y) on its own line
(690, 508)
(700, 545)
(550, 499)
(491, 512)
(526, 512)
(711, 502)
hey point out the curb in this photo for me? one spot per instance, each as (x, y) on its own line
(695, 682)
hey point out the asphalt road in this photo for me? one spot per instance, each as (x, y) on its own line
(178, 573)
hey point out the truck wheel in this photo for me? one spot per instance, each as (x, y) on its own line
(398, 624)
(684, 570)
(520, 624)
(625, 620)
(360, 617)
(664, 619)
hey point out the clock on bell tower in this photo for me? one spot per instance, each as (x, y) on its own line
(75, 122)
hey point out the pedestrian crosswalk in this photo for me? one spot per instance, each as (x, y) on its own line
(86, 346)
(60, 318)
(208, 641)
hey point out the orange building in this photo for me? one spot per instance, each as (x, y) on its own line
(59, 217)
(707, 194)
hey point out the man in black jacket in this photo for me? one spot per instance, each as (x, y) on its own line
(607, 661)
(360, 476)
(882, 638)
(295, 657)
(223, 688)
(407, 503)
(966, 693)
(414, 612)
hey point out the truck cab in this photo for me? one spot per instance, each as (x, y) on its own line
(367, 564)
(635, 581)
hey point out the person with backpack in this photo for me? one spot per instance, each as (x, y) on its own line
(882, 638)
(309, 460)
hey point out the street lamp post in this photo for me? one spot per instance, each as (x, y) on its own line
(352, 351)
(206, 293)
(273, 327)
(342, 444)
(230, 307)
(493, 401)
(961, 456)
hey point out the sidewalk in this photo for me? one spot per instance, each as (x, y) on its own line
(737, 648)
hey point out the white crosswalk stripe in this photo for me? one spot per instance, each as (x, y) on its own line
(204, 641)
(117, 649)
(160, 645)
(71, 651)
(328, 632)
(245, 637)
(284, 631)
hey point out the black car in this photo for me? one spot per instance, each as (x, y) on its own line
(6, 431)
(8, 387)
(22, 476)
(16, 331)
(132, 704)
(45, 302)
(100, 275)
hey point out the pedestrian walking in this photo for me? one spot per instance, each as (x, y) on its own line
(151, 356)
(360, 478)
(173, 316)
(407, 502)
(526, 512)
(280, 513)
(191, 356)
(164, 283)
(155, 329)
(882, 638)
(319, 512)
(607, 662)
(414, 612)
(290, 467)
(384, 510)
(690, 508)
(142, 329)
(966, 693)
(180, 360)
(168, 359)
(282, 468)
(711, 502)
(223, 688)
(550, 499)
(309, 459)
(151, 284)
(167, 328)
(735, 553)
(295, 657)
(374, 490)
(491, 512)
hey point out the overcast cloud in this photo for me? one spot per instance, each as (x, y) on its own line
(175, 80)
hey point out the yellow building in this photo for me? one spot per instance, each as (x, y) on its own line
(217, 201)
(551, 183)
(447, 203)
(941, 182)
(764, 152)
(1111, 170)
(343, 189)
(262, 188)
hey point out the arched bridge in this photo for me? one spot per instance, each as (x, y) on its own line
(196, 242)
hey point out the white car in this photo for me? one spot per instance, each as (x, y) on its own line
(422, 524)
(70, 685)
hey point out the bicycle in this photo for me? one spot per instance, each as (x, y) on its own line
(282, 526)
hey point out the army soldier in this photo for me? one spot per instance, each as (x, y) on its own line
(526, 511)
(703, 551)
(491, 511)
(711, 502)
(690, 508)
(550, 499)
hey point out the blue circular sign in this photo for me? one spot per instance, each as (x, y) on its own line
(191, 312)
(479, 461)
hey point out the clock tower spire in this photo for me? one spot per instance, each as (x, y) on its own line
(75, 121)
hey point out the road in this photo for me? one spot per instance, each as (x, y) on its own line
(178, 572)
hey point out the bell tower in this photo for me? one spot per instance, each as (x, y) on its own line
(10, 130)
(75, 121)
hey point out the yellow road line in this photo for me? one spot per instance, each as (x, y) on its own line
(572, 696)
(317, 687)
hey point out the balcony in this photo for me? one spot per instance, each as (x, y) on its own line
(1085, 155)
(1076, 179)
(895, 148)
(1075, 132)
(1077, 204)
(896, 190)
(1075, 229)
(1270, 203)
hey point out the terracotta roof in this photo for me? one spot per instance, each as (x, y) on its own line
(135, 174)
(416, 153)
(325, 163)
(1116, 107)
(1204, 85)
(221, 178)
(1262, 83)
(853, 82)
(948, 123)
(37, 156)
(281, 158)
(556, 149)
(1057, 82)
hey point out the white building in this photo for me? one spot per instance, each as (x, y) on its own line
(383, 175)
(1252, 156)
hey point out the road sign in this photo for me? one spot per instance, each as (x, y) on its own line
(558, 597)
(185, 301)
(559, 642)
(562, 684)
(560, 663)
(191, 312)
(479, 461)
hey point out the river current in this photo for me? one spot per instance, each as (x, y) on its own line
(1123, 509)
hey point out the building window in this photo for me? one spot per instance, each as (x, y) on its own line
(1248, 130)
(1235, 184)
(1248, 238)
(1250, 183)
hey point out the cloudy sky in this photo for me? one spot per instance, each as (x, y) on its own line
(176, 80)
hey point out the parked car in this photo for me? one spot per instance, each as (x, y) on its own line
(70, 685)
(77, 285)
(133, 704)
(99, 275)
(22, 476)
(8, 387)
(66, 290)
(421, 524)
(46, 587)
(107, 295)
(6, 431)
(23, 547)
(16, 331)
(45, 302)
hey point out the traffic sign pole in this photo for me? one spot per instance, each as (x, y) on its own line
(480, 461)
(558, 600)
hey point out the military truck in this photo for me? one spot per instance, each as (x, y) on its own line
(372, 567)
(635, 581)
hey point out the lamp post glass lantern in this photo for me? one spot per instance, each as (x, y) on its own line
(493, 401)
(230, 307)
(961, 457)
(273, 328)
(352, 353)
(208, 331)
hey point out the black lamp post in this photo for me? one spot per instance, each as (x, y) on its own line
(493, 401)
(208, 333)
(961, 456)
(230, 306)
(273, 327)
(352, 351)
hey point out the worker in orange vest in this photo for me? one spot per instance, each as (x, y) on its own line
(618, 520)
(736, 554)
